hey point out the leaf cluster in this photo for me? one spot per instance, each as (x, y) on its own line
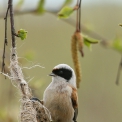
(88, 41)
(22, 34)
(40, 9)
(65, 12)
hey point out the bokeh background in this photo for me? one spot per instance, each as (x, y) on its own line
(49, 43)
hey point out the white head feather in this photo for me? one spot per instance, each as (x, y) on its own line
(72, 80)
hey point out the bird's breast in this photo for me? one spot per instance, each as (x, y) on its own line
(58, 101)
(58, 93)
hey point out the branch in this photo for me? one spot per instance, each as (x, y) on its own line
(31, 110)
(5, 42)
(77, 17)
(80, 15)
(12, 23)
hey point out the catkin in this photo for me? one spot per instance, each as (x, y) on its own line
(79, 42)
(75, 42)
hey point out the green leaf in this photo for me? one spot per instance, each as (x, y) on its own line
(90, 40)
(22, 34)
(40, 8)
(117, 44)
(65, 12)
(87, 44)
(67, 2)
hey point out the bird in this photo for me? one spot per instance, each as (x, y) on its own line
(60, 97)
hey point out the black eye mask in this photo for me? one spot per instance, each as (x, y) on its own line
(63, 72)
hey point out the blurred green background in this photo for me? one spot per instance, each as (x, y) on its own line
(48, 44)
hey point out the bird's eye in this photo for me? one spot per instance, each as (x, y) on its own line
(60, 72)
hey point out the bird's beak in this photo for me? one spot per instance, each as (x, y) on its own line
(51, 74)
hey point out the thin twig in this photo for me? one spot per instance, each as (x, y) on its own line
(6, 25)
(119, 71)
(86, 30)
(80, 15)
(12, 23)
(16, 35)
(5, 41)
(77, 17)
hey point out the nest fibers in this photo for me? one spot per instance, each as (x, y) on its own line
(31, 110)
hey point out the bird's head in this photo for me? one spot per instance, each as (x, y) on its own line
(63, 72)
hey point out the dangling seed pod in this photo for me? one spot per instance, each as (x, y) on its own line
(77, 43)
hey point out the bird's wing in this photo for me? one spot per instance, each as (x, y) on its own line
(74, 99)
